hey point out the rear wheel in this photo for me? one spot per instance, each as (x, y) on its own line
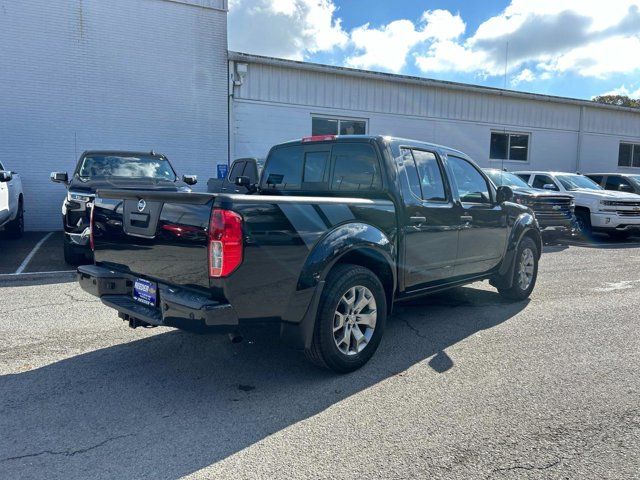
(350, 321)
(525, 271)
(15, 228)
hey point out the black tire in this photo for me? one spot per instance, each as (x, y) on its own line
(71, 256)
(583, 224)
(15, 228)
(619, 235)
(324, 350)
(517, 292)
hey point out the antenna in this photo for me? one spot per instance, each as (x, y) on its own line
(506, 64)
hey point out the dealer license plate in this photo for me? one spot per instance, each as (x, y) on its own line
(145, 292)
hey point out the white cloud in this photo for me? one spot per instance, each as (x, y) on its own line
(590, 38)
(387, 47)
(284, 28)
(525, 75)
(624, 91)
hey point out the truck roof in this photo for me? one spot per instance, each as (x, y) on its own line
(387, 139)
(122, 153)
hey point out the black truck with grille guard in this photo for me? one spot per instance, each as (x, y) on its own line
(337, 229)
(555, 212)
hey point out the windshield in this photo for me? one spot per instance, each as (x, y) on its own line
(573, 182)
(635, 179)
(138, 166)
(506, 178)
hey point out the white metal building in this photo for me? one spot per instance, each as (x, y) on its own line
(124, 75)
(275, 100)
(156, 74)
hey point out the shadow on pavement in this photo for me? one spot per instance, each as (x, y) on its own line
(174, 403)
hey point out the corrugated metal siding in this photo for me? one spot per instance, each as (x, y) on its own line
(123, 74)
(293, 86)
(614, 123)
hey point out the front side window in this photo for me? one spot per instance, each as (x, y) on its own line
(540, 181)
(139, 166)
(617, 183)
(284, 169)
(356, 167)
(509, 146)
(472, 186)
(236, 171)
(501, 178)
(337, 126)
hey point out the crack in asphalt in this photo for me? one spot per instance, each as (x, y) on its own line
(67, 453)
(417, 332)
(527, 467)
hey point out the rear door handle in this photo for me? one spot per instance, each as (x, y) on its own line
(418, 219)
(466, 218)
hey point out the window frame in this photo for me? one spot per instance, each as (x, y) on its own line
(340, 119)
(332, 167)
(632, 154)
(443, 175)
(490, 187)
(509, 134)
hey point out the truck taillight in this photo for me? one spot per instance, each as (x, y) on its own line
(225, 242)
(318, 138)
(91, 241)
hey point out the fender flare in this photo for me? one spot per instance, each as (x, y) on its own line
(339, 242)
(524, 224)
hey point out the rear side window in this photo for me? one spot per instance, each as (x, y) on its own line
(284, 169)
(424, 175)
(356, 167)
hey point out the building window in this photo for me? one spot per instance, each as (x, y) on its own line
(337, 126)
(629, 155)
(509, 146)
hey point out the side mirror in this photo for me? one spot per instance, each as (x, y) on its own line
(59, 177)
(190, 179)
(625, 188)
(242, 182)
(549, 186)
(5, 176)
(504, 194)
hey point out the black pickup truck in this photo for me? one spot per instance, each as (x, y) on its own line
(336, 231)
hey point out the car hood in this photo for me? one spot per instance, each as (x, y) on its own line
(92, 185)
(604, 195)
(534, 192)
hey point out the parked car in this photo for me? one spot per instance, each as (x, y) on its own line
(597, 210)
(338, 230)
(618, 182)
(247, 167)
(109, 169)
(11, 203)
(554, 211)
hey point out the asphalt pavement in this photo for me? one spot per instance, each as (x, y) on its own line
(464, 385)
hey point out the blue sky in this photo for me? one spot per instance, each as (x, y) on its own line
(573, 48)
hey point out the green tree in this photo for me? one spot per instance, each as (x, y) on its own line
(620, 100)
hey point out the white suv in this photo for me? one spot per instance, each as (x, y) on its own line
(615, 213)
(11, 203)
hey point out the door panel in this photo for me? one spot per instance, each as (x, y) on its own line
(430, 225)
(483, 233)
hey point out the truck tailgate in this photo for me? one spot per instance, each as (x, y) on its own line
(158, 235)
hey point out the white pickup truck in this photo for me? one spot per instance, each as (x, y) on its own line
(11, 203)
(597, 209)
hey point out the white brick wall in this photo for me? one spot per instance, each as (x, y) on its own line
(123, 74)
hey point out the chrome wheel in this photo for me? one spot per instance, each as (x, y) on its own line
(354, 320)
(526, 268)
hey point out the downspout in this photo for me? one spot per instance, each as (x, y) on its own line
(580, 134)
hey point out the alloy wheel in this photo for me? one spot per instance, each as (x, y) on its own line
(354, 320)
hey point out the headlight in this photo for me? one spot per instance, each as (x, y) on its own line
(78, 197)
(607, 203)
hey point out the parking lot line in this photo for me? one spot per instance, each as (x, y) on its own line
(28, 258)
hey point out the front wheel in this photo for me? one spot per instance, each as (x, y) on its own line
(583, 224)
(71, 256)
(525, 271)
(15, 228)
(350, 321)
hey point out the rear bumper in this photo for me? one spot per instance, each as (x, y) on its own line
(177, 307)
